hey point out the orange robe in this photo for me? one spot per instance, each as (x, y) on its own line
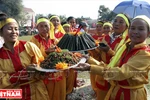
(59, 35)
(71, 74)
(98, 37)
(129, 74)
(42, 43)
(56, 84)
(94, 54)
(101, 85)
(73, 29)
(14, 64)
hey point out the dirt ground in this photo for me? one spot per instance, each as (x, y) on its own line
(83, 92)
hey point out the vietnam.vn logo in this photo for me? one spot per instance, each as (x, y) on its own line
(11, 93)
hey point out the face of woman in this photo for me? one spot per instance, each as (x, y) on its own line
(55, 22)
(43, 28)
(119, 25)
(107, 29)
(99, 28)
(10, 32)
(72, 22)
(138, 31)
(67, 29)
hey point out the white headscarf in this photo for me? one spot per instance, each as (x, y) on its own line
(145, 18)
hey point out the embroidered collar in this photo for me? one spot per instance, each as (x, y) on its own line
(114, 37)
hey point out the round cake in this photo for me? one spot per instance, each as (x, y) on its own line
(72, 42)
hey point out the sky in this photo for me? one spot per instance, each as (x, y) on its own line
(76, 8)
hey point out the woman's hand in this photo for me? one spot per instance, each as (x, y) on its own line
(31, 68)
(50, 50)
(83, 67)
(86, 56)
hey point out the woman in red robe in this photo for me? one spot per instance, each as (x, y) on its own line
(15, 58)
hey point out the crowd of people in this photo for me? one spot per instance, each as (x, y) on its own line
(118, 67)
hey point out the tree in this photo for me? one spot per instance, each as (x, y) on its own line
(105, 14)
(12, 8)
(62, 18)
(38, 16)
(23, 20)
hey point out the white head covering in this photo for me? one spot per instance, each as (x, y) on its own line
(145, 18)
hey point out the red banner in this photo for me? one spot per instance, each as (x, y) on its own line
(11, 93)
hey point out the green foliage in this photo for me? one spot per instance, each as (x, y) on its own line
(105, 14)
(62, 18)
(38, 16)
(23, 19)
(12, 8)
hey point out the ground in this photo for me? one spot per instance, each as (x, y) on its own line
(84, 92)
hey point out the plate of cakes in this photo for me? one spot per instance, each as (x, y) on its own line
(61, 60)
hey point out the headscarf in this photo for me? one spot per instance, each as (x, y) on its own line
(60, 28)
(107, 24)
(42, 20)
(124, 17)
(145, 18)
(99, 22)
(66, 25)
(54, 17)
(8, 20)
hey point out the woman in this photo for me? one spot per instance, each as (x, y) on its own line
(72, 21)
(126, 72)
(56, 86)
(117, 38)
(56, 31)
(42, 39)
(66, 27)
(84, 27)
(99, 31)
(107, 28)
(15, 58)
(110, 44)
